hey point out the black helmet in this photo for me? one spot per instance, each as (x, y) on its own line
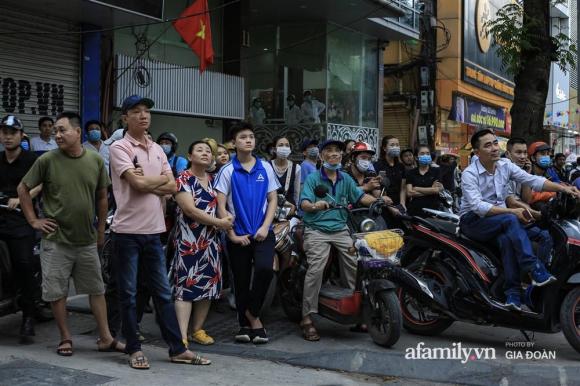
(170, 137)
(13, 122)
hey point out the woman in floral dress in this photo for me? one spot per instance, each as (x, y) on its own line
(196, 273)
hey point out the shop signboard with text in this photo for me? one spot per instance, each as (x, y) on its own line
(475, 113)
(481, 66)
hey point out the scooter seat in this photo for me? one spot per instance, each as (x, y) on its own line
(442, 226)
(490, 250)
(334, 292)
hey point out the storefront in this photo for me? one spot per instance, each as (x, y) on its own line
(473, 89)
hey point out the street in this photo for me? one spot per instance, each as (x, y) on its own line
(340, 358)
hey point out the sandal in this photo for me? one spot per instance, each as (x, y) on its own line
(139, 363)
(65, 351)
(196, 360)
(201, 337)
(113, 347)
(309, 332)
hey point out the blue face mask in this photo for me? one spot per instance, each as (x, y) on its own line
(544, 161)
(24, 145)
(94, 135)
(329, 166)
(166, 149)
(425, 159)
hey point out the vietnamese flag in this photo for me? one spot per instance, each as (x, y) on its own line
(194, 27)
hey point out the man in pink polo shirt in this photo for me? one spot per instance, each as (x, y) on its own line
(141, 176)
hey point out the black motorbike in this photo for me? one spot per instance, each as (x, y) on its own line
(466, 278)
(373, 301)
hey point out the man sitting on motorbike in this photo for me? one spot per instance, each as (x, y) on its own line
(517, 152)
(539, 153)
(325, 228)
(361, 169)
(485, 217)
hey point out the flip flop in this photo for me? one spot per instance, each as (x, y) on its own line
(196, 360)
(113, 347)
(65, 351)
(139, 363)
(309, 332)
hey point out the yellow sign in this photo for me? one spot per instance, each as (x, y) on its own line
(487, 80)
(483, 14)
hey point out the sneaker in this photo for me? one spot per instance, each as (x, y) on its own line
(541, 277)
(259, 336)
(513, 302)
(201, 337)
(243, 336)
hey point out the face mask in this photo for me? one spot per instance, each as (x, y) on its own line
(94, 135)
(363, 164)
(424, 159)
(24, 145)
(313, 152)
(394, 152)
(329, 166)
(166, 149)
(283, 151)
(544, 161)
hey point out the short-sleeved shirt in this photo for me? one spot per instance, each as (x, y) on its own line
(177, 164)
(307, 168)
(395, 174)
(247, 193)
(103, 151)
(68, 193)
(40, 146)
(343, 192)
(13, 222)
(415, 178)
(137, 212)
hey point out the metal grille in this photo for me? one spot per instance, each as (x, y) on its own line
(39, 74)
(181, 90)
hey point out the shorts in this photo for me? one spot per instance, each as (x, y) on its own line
(60, 262)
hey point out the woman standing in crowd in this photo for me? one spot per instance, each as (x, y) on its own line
(196, 270)
(423, 184)
(393, 168)
(288, 172)
(222, 158)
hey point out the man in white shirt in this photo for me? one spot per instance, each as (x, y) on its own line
(485, 217)
(311, 108)
(44, 142)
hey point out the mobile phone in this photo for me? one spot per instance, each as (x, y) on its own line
(382, 174)
(135, 162)
(528, 215)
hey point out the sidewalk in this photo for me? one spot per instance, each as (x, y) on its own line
(342, 350)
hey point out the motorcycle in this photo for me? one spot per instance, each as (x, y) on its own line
(373, 301)
(466, 278)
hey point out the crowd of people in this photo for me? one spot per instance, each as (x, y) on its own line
(220, 203)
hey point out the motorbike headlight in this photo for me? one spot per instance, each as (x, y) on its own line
(368, 225)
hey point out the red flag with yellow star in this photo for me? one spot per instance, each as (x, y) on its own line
(194, 27)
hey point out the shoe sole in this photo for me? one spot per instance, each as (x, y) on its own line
(549, 281)
(259, 340)
(243, 339)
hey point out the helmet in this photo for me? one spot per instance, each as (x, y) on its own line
(13, 122)
(362, 147)
(170, 137)
(212, 145)
(537, 146)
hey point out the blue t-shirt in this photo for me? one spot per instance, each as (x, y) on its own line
(576, 182)
(177, 164)
(306, 168)
(247, 193)
(552, 175)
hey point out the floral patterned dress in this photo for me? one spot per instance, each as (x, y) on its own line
(195, 272)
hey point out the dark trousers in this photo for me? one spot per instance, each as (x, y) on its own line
(21, 256)
(250, 293)
(512, 239)
(128, 251)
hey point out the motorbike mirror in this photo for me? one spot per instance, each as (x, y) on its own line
(320, 191)
(385, 182)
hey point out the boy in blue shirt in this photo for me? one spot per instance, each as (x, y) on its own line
(248, 186)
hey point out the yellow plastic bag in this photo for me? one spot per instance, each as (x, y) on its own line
(384, 242)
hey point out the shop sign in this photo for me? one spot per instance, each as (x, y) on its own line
(23, 96)
(482, 67)
(478, 114)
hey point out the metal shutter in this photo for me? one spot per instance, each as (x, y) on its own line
(397, 122)
(39, 74)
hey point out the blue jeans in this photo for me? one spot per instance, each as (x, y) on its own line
(128, 251)
(544, 240)
(512, 239)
